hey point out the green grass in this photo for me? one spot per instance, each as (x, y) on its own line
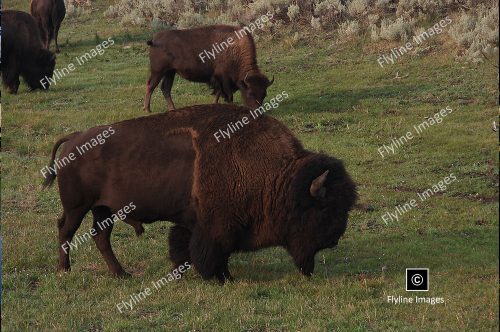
(341, 102)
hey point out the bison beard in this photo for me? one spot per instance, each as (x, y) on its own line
(257, 190)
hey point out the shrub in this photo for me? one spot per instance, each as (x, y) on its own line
(329, 10)
(316, 23)
(358, 7)
(349, 30)
(476, 33)
(474, 29)
(77, 7)
(293, 12)
(398, 30)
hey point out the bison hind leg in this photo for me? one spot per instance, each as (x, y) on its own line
(68, 224)
(103, 225)
(178, 240)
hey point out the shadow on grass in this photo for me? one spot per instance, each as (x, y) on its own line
(375, 255)
(344, 100)
(119, 40)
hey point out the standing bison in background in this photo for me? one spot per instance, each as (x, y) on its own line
(258, 189)
(222, 56)
(49, 15)
(23, 53)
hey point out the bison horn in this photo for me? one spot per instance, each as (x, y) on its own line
(271, 81)
(245, 80)
(317, 186)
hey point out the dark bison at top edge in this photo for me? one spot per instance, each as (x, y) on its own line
(260, 188)
(23, 53)
(49, 15)
(234, 68)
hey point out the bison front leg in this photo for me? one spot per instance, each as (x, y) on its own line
(303, 260)
(68, 225)
(223, 273)
(227, 90)
(56, 33)
(103, 225)
(178, 240)
(209, 257)
(217, 96)
(10, 75)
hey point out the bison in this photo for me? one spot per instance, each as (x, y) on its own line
(260, 188)
(49, 15)
(222, 56)
(23, 53)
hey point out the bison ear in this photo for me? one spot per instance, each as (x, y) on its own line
(317, 188)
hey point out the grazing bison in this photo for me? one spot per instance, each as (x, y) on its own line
(222, 56)
(49, 15)
(23, 53)
(260, 188)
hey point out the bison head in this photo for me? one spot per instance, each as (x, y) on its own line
(324, 196)
(42, 67)
(254, 89)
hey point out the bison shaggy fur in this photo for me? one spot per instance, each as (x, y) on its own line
(49, 15)
(259, 189)
(185, 52)
(23, 53)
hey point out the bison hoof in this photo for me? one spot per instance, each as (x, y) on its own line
(223, 277)
(121, 274)
(61, 270)
(139, 230)
(306, 273)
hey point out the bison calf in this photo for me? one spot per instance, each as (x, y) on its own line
(23, 53)
(49, 15)
(222, 56)
(259, 189)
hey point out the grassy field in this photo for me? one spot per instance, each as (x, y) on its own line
(341, 102)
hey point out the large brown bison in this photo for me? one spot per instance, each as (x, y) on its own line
(23, 53)
(222, 56)
(260, 188)
(49, 15)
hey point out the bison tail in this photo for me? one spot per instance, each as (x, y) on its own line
(49, 179)
(150, 43)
